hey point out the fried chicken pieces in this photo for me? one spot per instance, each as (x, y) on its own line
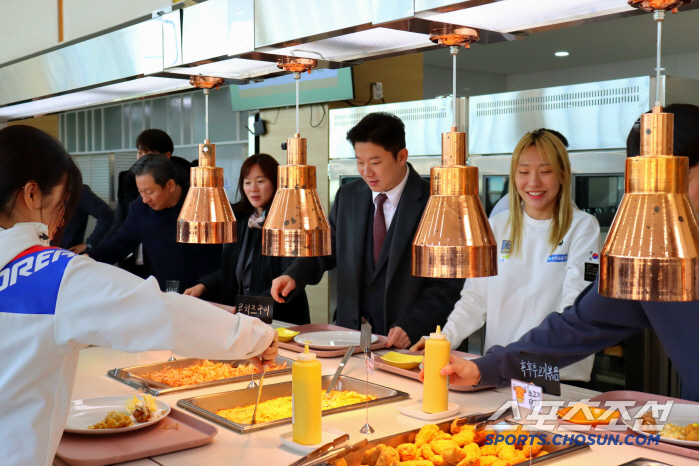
(462, 447)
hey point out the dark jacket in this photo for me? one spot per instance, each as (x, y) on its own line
(127, 191)
(228, 282)
(157, 230)
(595, 322)
(415, 304)
(90, 205)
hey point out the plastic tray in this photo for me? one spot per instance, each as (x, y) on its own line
(641, 398)
(309, 328)
(90, 450)
(415, 373)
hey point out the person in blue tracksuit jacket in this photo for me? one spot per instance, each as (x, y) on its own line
(595, 322)
(53, 303)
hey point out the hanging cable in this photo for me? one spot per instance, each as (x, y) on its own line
(658, 16)
(321, 120)
(206, 111)
(454, 50)
(297, 77)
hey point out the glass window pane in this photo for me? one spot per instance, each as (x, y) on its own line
(81, 132)
(70, 132)
(88, 127)
(97, 113)
(187, 119)
(159, 114)
(199, 116)
(495, 189)
(112, 128)
(136, 121)
(174, 118)
(129, 140)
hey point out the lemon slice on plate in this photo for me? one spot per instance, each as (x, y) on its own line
(578, 414)
(402, 361)
(285, 334)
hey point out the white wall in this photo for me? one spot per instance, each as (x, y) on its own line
(30, 26)
(437, 80)
(682, 65)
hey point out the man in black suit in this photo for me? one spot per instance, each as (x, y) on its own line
(150, 141)
(373, 224)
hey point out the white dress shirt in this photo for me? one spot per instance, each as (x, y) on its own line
(391, 204)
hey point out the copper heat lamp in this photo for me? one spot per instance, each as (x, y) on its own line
(206, 217)
(296, 225)
(652, 250)
(454, 239)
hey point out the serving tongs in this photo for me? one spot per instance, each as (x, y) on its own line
(321, 451)
(259, 393)
(345, 358)
(314, 458)
(481, 421)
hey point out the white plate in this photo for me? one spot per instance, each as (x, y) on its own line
(328, 434)
(413, 408)
(681, 414)
(331, 340)
(89, 411)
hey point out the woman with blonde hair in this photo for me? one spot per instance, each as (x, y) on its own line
(548, 253)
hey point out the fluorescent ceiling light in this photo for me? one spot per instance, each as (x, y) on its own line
(100, 95)
(358, 45)
(561, 54)
(234, 68)
(519, 15)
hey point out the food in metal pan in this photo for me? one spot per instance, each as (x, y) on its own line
(114, 420)
(280, 407)
(462, 447)
(689, 432)
(206, 372)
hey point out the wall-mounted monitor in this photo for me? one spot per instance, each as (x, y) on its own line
(320, 86)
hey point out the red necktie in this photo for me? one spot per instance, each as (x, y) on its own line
(379, 226)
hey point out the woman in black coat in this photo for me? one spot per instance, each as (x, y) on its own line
(245, 271)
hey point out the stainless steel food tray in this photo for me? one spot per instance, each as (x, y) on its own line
(208, 405)
(131, 375)
(555, 451)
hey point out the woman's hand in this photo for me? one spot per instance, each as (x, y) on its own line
(78, 248)
(281, 287)
(195, 291)
(460, 371)
(420, 345)
(268, 356)
(397, 338)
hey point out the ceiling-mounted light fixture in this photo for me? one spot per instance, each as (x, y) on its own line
(562, 53)
(296, 225)
(454, 239)
(652, 250)
(206, 217)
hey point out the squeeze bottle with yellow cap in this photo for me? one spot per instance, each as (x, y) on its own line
(435, 392)
(306, 402)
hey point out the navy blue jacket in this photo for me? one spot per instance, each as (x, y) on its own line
(90, 205)
(594, 323)
(157, 230)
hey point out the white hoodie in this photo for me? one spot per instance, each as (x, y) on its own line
(529, 287)
(95, 304)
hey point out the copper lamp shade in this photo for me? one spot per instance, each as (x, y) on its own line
(454, 239)
(206, 217)
(296, 225)
(652, 250)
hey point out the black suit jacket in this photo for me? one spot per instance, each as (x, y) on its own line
(415, 304)
(227, 282)
(90, 205)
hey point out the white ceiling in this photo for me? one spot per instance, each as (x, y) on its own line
(589, 44)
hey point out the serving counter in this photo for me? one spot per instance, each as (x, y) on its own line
(264, 448)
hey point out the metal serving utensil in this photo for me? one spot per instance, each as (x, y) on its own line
(481, 421)
(337, 453)
(259, 393)
(339, 370)
(321, 451)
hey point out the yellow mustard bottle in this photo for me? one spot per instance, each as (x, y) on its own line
(306, 402)
(435, 391)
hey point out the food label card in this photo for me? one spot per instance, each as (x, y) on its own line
(526, 395)
(255, 306)
(541, 370)
(369, 362)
